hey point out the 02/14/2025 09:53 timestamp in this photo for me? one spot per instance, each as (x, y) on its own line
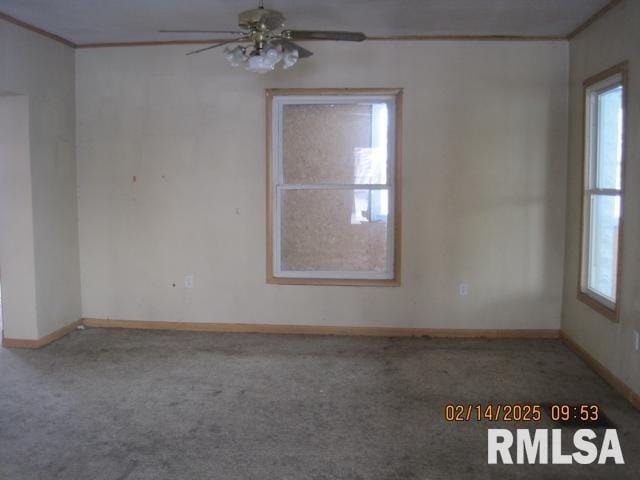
(520, 412)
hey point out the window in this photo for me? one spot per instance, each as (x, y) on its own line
(333, 192)
(603, 191)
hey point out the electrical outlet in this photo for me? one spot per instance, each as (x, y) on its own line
(463, 289)
(636, 340)
(188, 280)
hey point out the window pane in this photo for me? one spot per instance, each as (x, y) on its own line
(334, 230)
(609, 139)
(335, 143)
(603, 245)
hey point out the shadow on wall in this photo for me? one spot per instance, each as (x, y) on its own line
(16, 220)
(492, 183)
(3, 93)
(507, 233)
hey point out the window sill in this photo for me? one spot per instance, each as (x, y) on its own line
(356, 282)
(602, 309)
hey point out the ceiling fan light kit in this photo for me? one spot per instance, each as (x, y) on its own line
(262, 61)
(269, 45)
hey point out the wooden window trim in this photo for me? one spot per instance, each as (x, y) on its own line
(613, 314)
(397, 185)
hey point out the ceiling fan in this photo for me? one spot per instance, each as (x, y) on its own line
(269, 42)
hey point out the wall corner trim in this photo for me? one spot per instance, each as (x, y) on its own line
(617, 384)
(46, 340)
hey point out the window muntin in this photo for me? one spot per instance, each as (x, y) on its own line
(603, 194)
(332, 187)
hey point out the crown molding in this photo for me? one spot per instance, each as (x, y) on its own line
(39, 31)
(469, 38)
(208, 41)
(388, 38)
(600, 13)
(385, 38)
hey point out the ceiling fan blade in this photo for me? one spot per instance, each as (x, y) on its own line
(324, 35)
(219, 44)
(234, 32)
(302, 52)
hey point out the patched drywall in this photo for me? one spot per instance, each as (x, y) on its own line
(612, 39)
(171, 168)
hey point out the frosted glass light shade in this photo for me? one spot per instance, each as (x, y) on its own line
(260, 64)
(263, 60)
(290, 58)
(235, 56)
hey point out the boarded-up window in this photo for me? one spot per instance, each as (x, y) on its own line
(333, 187)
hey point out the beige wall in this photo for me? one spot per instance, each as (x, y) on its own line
(484, 185)
(610, 40)
(17, 270)
(42, 71)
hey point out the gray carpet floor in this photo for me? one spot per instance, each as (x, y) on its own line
(125, 404)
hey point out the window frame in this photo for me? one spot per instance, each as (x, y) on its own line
(324, 95)
(600, 83)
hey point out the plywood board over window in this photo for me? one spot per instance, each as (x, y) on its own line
(333, 186)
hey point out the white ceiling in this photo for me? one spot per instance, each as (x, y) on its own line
(104, 21)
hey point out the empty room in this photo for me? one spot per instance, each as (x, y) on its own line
(298, 239)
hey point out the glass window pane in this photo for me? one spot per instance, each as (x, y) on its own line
(603, 245)
(334, 230)
(609, 139)
(335, 144)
